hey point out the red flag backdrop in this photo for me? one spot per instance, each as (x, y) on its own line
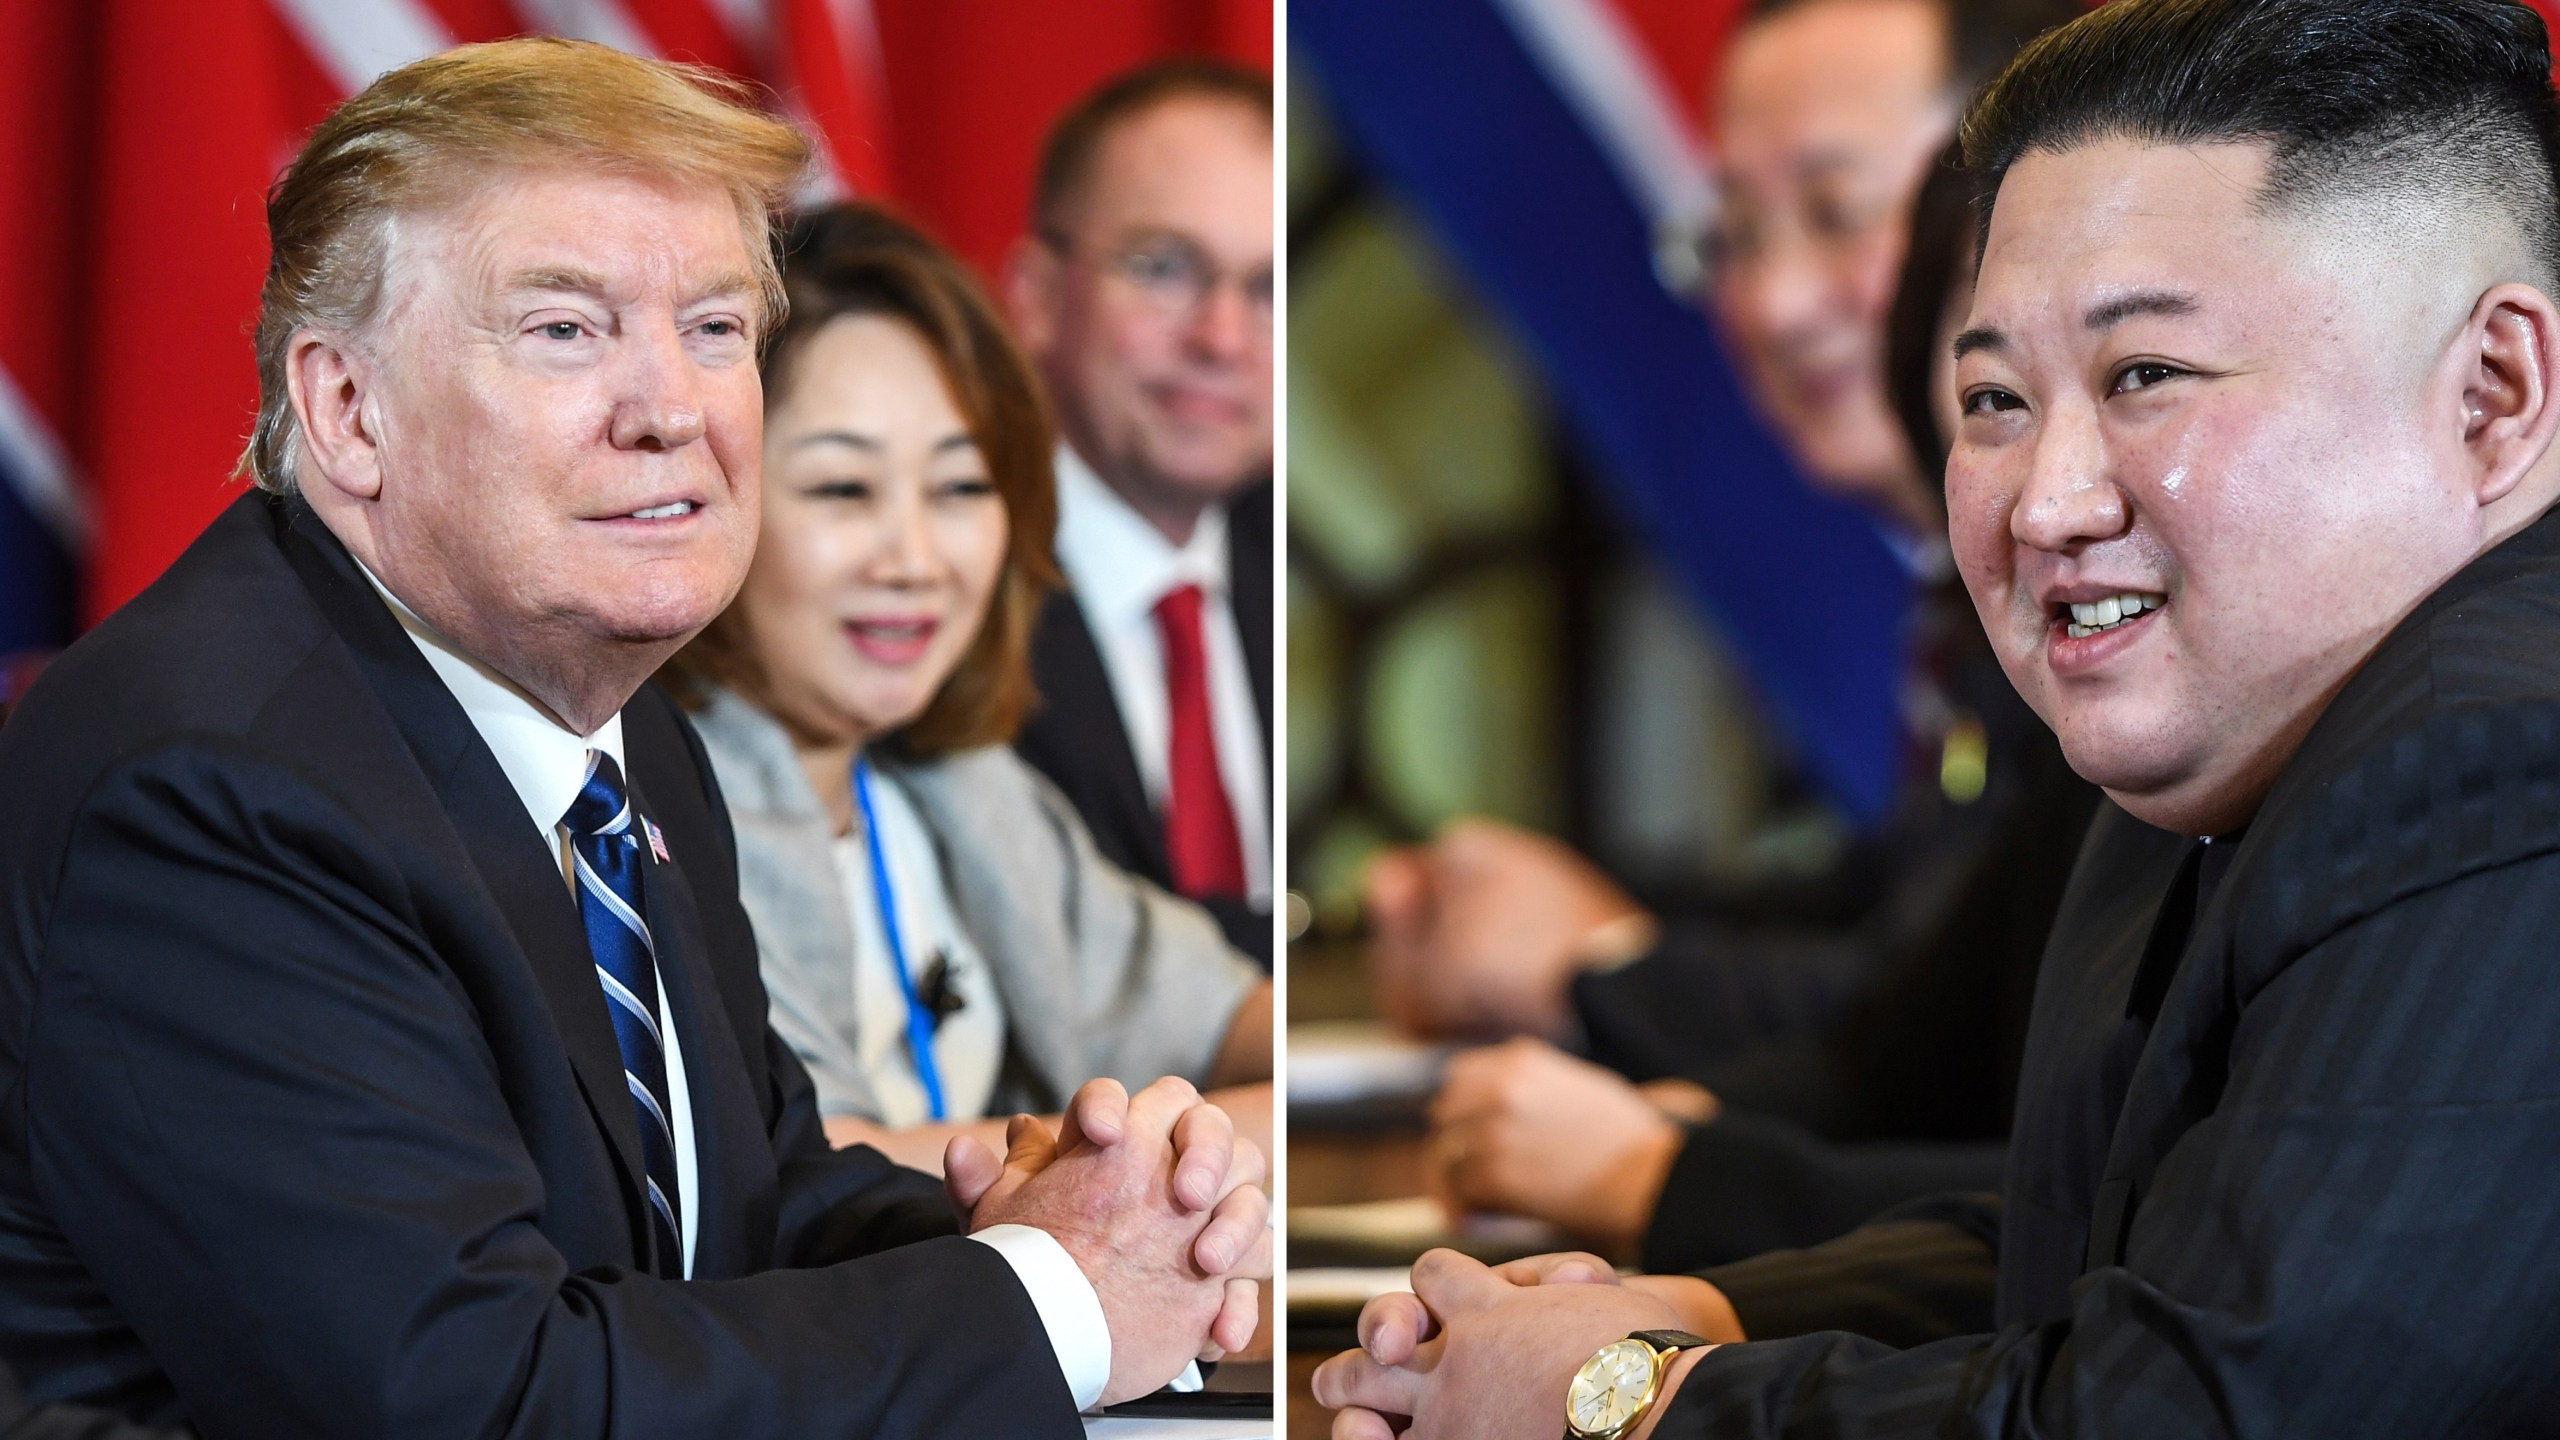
(137, 138)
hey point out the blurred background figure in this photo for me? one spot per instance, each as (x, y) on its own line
(127, 376)
(1144, 292)
(941, 940)
(1782, 1020)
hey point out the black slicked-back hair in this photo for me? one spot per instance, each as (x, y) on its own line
(2449, 99)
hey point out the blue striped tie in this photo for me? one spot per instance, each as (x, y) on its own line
(606, 845)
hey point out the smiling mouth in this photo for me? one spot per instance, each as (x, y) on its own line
(2079, 621)
(892, 642)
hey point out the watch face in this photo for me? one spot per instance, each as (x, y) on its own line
(1610, 1387)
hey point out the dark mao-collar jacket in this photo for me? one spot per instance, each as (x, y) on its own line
(2287, 1151)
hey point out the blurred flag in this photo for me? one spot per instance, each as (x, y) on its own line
(138, 137)
(1552, 146)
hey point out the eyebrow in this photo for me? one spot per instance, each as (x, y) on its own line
(2141, 302)
(573, 280)
(1981, 337)
(731, 282)
(2106, 316)
(854, 439)
(557, 277)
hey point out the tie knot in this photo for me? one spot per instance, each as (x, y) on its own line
(603, 807)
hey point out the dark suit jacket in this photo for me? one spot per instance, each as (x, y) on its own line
(65, 1422)
(1077, 739)
(311, 1116)
(1850, 1106)
(2289, 1133)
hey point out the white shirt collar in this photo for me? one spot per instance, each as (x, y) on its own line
(1120, 564)
(543, 759)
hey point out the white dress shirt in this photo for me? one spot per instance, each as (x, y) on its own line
(1120, 566)
(547, 764)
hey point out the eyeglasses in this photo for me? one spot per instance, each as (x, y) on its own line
(1178, 277)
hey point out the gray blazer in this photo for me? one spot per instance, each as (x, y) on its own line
(1101, 972)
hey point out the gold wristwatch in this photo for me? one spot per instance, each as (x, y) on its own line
(1616, 1387)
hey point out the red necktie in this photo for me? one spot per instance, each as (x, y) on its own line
(1199, 824)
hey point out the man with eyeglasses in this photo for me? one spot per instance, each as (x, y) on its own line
(1144, 292)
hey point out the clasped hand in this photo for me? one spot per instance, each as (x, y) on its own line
(1158, 1202)
(1478, 1353)
(1477, 934)
(1522, 1128)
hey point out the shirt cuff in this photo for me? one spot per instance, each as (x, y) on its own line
(1069, 1309)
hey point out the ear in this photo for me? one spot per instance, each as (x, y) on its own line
(330, 388)
(2508, 356)
(1031, 281)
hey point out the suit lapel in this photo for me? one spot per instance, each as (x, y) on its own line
(1249, 594)
(1080, 701)
(520, 873)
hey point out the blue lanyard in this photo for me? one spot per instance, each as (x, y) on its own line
(919, 1018)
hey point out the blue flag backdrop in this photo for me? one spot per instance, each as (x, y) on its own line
(1449, 108)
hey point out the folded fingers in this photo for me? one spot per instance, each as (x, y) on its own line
(1205, 1147)
(1239, 1314)
(1357, 1424)
(1353, 1379)
(969, 1171)
(1393, 1326)
(1098, 1114)
(1237, 1230)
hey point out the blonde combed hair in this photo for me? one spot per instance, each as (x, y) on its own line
(417, 138)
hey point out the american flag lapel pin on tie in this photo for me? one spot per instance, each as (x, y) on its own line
(657, 842)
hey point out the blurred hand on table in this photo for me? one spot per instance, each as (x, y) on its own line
(1478, 933)
(1522, 1128)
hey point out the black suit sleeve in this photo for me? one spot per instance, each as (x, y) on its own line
(1924, 1272)
(65, 1422)
(841, 1204)
(1710, 991)
(1748, 1183)
(272, 1126)
(2353, 1241)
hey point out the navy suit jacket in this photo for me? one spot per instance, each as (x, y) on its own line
(311, 1116)
(2287, 1151)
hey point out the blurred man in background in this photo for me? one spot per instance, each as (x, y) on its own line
(1765, 1043)
(1145, 294)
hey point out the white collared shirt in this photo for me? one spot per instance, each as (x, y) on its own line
(1120, 566)
(547, 764)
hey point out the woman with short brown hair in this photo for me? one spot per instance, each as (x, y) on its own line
(940, 939)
